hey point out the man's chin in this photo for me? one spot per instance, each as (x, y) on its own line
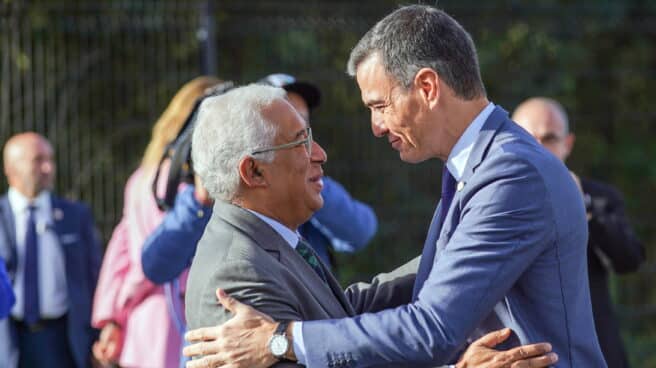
(410, 158)
(319, 204)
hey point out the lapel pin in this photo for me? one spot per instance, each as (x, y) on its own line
(461, 184)
(58, 214)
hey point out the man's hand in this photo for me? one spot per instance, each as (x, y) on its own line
(240, 342)
(481, 355)
(109, 345)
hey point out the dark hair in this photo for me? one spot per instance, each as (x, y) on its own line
(420, 36)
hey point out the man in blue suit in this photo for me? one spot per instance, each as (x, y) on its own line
(53, 256)
(507, 244)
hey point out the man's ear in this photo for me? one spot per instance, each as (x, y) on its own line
(427, 82)
(251, 172)
(569, 143)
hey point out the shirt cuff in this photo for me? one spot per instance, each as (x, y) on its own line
(299, 347)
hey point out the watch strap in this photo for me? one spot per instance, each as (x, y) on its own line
(281, 329)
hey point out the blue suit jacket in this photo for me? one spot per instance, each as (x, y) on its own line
(511, 252)
(77, 235)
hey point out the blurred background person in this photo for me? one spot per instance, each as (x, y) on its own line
(138, 329)
(53, 255)
(344, 224)
(612, 244)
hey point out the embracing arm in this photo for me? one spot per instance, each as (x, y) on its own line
(386, 290)
(249, 284)
(480, 263)
(503, 227)
(171, 247)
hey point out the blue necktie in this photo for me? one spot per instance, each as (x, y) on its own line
(308, 255)
(448, 191)
(31, 271)
(428, 254)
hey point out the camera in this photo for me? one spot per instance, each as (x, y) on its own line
(178, 153)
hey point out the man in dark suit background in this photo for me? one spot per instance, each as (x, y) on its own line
(612, 244)
(52, 253)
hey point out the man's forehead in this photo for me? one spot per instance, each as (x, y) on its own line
(287, 120)
(374, 81)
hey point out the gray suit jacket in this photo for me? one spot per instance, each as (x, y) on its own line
(251, 261)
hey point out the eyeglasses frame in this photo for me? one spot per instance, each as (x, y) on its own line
(307, 141)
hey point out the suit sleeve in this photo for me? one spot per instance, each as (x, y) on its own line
(505, 223)
(254, 286)
(171, 247)
(610, 231)
(347, 222)
(92, 241)
(7, 297)
(386, 290)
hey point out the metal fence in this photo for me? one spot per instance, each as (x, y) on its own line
(93, 76)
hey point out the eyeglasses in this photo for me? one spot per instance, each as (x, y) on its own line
(307, 141)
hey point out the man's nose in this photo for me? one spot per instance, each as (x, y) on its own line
(377, 125)
(318, 153)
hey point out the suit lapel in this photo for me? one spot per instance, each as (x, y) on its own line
(269, 240)
(484, 141)
(337, 290)
(479, 151)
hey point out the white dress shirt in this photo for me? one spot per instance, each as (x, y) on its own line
(290, 237)
(53, 293)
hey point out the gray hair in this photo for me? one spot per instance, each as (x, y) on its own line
(229, 128)
(420, 36)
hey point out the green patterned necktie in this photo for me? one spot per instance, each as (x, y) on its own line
(303, 248)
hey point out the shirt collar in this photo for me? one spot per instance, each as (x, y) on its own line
(459, 155)
(19, 202)
(290, 236)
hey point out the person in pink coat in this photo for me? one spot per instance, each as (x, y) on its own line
(137, 328)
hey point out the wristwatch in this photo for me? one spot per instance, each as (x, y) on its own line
(279, 344)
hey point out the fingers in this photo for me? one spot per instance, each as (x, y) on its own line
(240, 309)
(205, 362)
(227, 301)
(202, 334)
(493, 338)
(98, 352)
(541, 361)
(528, 351)
(201, 348)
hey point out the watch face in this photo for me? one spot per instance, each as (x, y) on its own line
(278, 345)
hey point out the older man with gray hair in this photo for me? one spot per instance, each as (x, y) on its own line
(256, 156)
